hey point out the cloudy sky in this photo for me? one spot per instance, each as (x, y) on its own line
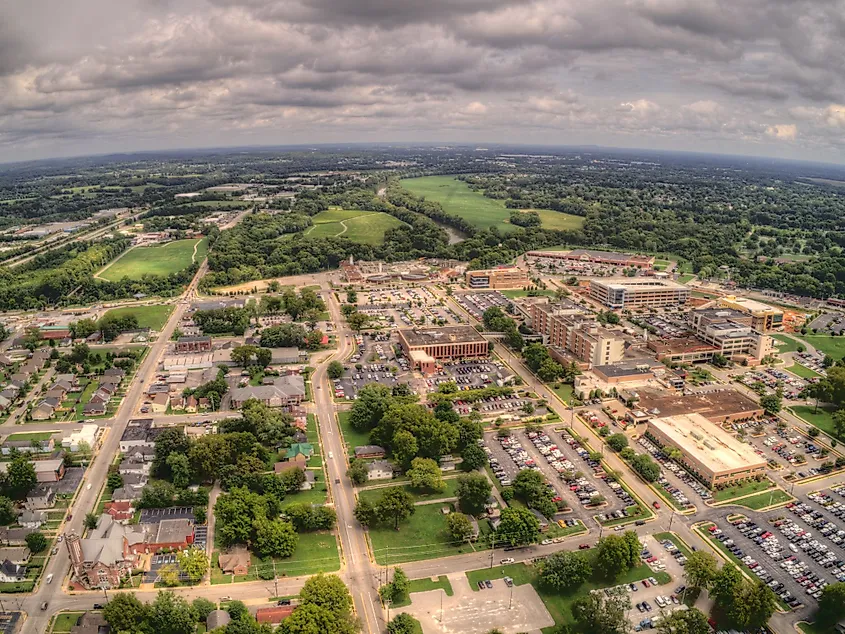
(760, 77)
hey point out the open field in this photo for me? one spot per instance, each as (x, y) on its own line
(153, 316)
(159, 260)
(784, 343)
(821, 417)
(827, 344)
(30, 436)
(449, 492)
(803, 371)
(424, 585)
(513, 294)
(366, 227)
(458, 199)
(350, 436)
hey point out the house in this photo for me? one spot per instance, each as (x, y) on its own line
(134, 466)
(56, 392)
(10, 573)
(86, 434)
(15, 554)
(191, 404)
(299, 461)
(217, 618)
(189, 345)
(49, 470)
(370, 451)
(5, 402)
(25, 446)
(476, 529)
(139, 432)
(126, 494)
(13, 535)
(32, 519)
(379, 470)
(91, 623)
(20, 378)
(70, 379)
(65, 386)
(235, 562)
(116, 373)
(41, 497)
(30, 368)
(5, 360)
(286, 390)
(273, 615)
(310, 481)
(44, 411)
(94, 337)
(119, 511)
(94, 409)
(160, 403)
(544, 523)
(299, 449)
(141, 454)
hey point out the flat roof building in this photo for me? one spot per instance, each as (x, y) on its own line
(577, 333)
(719, 405)
(763, 317)
(499, 277)
(426, 346)
(709, 452)
(638, 292)
(598, 257)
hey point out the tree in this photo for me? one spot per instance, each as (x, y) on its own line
(839, 423)
(832, 604)
(20, 477)
(335, 370)
(91, 521)
(518, 526)
(617, 442)
(459, 526)
(170, 440)
(473, 458)
(602, 614)
(725, 585)
(365, 512)
(125, 612)
(394, 506)
(529, 484)
(36, 542)
(719, 360)
(235, 515)
(425, 474)
(8, 513)
(646, 467)
(327, 591)
(180, 469)
(237, 610)
(313, 619)
(565, 570)
(357, 472)
(275, 538)
(168, 575)
(473, 492)
(202, 608)
(692, 621)
(613, 555)
(351, 297)
(292, 479)
(114, 481)
(404, 623)
(753, 606)
(357, 321)
(700, 570)
(404, 447)
(193, 562)
(771, 403)
(396, 590)
(373, 401)
(171, 614)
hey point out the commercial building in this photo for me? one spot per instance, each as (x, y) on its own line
(598, 257)
(578, 334)
(764, 318)
(424, 347)
(498, 278)
(286, 390)
(638, 292)
(721, 404)
(730, 331)
(187, 345)
(714, 456)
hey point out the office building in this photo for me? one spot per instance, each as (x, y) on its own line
(498, 278)
(731, 332)
(764, 318)
(638, 292)
(710, 453)
(579, 334)
(424, 347)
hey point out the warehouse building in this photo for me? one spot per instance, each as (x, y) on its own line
(498, 278)
(713, 455)
(635, 292)
(424, 347)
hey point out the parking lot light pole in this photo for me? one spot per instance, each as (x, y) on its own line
(671, 518)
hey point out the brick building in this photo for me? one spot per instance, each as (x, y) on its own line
(424, 347)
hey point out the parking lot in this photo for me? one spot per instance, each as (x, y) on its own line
(814, 362)
(470, 375)
(406, 307)
(476, 303)
(674, 479)
(769, 380)
(375, 361)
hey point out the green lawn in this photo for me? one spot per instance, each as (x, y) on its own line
(826, 344)
(366, 227)
(350, 436)
(821, 417)
(539, 293)
(158, 260)
(458, 199)
(424, 585)
(559, 605)
(449, 492)
(66, 620)
(762, 500)
(35, 435)
(785, 343)
(812, 628)
(683, 279)
(423, 536)
(153, 317)
(802, 371)
(741, 489)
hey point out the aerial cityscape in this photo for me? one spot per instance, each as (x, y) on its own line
(504, 317)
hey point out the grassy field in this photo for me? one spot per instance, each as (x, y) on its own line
(517, 293)
(821, 417)
(683, 279)
(559, 605)
(65, 621)
(159, 260)
(762, 500)
(802, 371)
(826, 344)
(458, 199)
(421, 537)
(366, 227)
(425, 585)
(30, 436)
(739, 490)
(350, 436)
(152, 317)
(449, 492)
(784, 343)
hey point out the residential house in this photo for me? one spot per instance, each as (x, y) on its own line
(286, 390)
(476, 529)
(20, 378)
(5, 360)
(32, 519)
(43, 411)
(10, 573)
(91, 623)
(273, 615)
(26, 446)
(141, 454)
(139, 467)
(94, 409)
(116, 373)
(30, 368)
(13, 535)
(126, 494)
(56, 392)
(298, 461)
(379, 470)
(41, 497)
(216, 619)
(299, 449)
(5, 401)
(370, 451)
(160, 403)
(119, 511)
(70, 379)
(15, 554)
(49, 470)
(235, 562)
(189, 345)
(310, 481)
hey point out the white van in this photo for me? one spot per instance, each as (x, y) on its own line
(50, 578)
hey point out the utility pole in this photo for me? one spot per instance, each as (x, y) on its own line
(492, 546)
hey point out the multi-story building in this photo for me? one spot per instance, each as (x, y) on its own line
(497, 278)
(711, 454)
(638, 292)
(598, 257)
(730, 331)
(187, 345)
(424, 347)
(764, 318)
(572, 330)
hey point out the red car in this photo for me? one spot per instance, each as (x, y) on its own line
(584, 547)
(656, 505)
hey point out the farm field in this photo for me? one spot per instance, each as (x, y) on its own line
(153, 317)
(366, 227)
(159, 260)
(459, 200)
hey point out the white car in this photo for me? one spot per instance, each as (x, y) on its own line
(331, 456)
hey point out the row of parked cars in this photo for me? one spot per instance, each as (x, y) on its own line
(670, 465)
(801, 540)
(673, 550)
(583, 489)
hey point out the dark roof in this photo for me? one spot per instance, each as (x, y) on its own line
(432, 336)
(137, 429)
(154, 516)
(623, 370)
(193, 339)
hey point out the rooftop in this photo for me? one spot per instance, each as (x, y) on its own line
(609, 255)
(637, 283)
(715, 448)
(714, 405)
(447, 334)
(748, 305)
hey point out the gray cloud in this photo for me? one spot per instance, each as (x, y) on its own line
(759, 76)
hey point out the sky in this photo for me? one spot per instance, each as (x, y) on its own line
(757, 77)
